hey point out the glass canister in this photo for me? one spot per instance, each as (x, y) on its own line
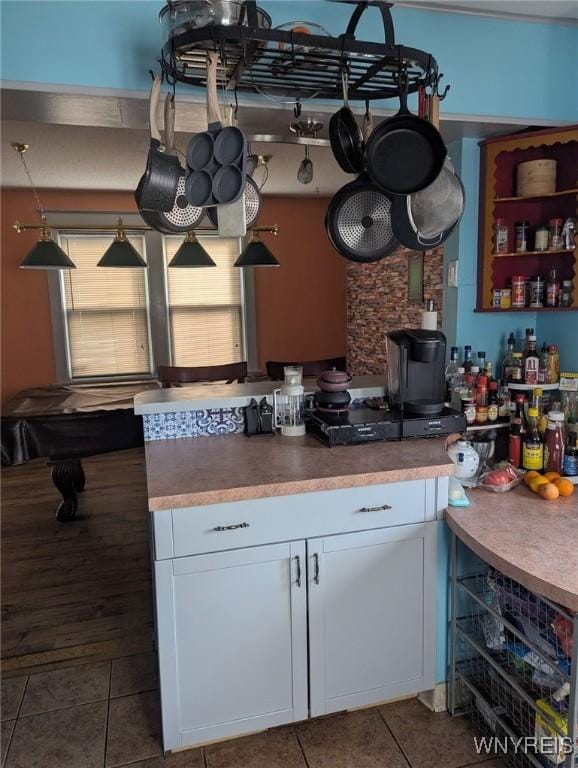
(289, 403)
(541, 238)
(537, 288)
(522, 230)
(518, 291)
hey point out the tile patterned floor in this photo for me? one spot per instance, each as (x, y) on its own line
(106, 715)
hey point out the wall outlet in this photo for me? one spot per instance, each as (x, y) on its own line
(453, 274)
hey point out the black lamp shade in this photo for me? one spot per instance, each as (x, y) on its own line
(256, 254)
(121, 253)
(47, 254)
(191, 254)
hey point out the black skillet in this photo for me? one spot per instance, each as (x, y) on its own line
(345, 136)
(344, 133)
(405, 153)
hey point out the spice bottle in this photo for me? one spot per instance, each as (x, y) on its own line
(552, 290)
(522, 229)
(517, 368)
(543, 365)
(501, 236)
(541, 238)
(531, 362)
(518, 291)
(556, 239)
(554, 442)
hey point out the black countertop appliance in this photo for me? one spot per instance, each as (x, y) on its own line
(416, 372)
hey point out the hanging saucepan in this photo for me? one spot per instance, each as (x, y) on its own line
(345, 135)
(252, 205)
(358, 222)
(183, 216)
(157, 188)
(427, 218)
(404, 153)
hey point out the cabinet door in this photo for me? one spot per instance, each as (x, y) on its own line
(371, 616)
(232, 632)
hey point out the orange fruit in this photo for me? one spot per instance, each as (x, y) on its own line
(536, 482)
(548, 491)
(551, 476)
(564, 486)
(531, 473)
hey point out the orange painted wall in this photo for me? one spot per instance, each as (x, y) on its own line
(27, 354)
(301, 307)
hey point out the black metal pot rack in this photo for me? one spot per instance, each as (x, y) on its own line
(284, 63)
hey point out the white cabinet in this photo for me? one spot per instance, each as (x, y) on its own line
(272, 611)
(371, 616)
(232, 642)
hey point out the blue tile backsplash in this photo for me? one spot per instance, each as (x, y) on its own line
(213, 421)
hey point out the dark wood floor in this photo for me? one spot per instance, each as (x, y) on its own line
(80, 590)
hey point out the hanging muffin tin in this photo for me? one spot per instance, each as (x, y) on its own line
(287, 63)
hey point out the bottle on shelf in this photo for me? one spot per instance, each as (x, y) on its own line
(517, 369)
(493, 408)
(529, 332)
(554, 442)
(515, 445)
(501, 237)
(543, 365)
(458, 386)
(482, 361)
(519, 417)
(451, 371)
(570, 464)
(532, 445)
(531, 362)
(538, 404)
(489, 370)
(467, 364)
(553, 365)
(552, 289)
(507, 361)
(503, 401)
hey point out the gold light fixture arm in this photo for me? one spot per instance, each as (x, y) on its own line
(24, 227)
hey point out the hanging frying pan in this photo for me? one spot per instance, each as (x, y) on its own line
(358, 222)
(157, 188)
(183, 216)
(404, 153)
(345, 135)
(252, 205)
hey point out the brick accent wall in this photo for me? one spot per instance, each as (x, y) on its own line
(377, 303)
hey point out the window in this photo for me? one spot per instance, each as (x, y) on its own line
(106, 311)
(123, 323)
(205, 306)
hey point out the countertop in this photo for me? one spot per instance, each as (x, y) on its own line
(196, 471)
(200, 396)
(529, 539)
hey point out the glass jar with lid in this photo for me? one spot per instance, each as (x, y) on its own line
(541, 238)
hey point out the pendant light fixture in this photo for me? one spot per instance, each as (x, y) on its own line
(256, 254)
(121, 253)
(191, 254)
(46, 254)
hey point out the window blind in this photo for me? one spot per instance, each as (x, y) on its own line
(106, 311)
(205, 306)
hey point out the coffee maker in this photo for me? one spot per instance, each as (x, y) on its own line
(416, 372)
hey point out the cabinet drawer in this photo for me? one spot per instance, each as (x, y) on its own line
(194, 530)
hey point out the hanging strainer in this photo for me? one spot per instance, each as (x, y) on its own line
(439, 206)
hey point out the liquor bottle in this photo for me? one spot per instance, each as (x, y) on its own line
(503, 401)
(538, 404)
(532, 444)
(507, 361)
(458, 384)
(482, 361)
(519, 418)
(451, 372)
(493, 408)
(531, 362)
(489, 370)
(467, 364)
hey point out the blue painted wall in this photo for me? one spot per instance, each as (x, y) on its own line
(113, 44)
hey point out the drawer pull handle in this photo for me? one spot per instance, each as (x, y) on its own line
(231, 527)
(382, 508)
(298, 564)
(316, 571)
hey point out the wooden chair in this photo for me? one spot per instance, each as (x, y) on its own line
(310, 367)
(176, 376)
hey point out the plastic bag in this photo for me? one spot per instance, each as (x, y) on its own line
(503, 477)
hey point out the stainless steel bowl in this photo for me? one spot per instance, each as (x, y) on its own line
(183, 15)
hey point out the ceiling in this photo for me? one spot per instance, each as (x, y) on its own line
(549, 9)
